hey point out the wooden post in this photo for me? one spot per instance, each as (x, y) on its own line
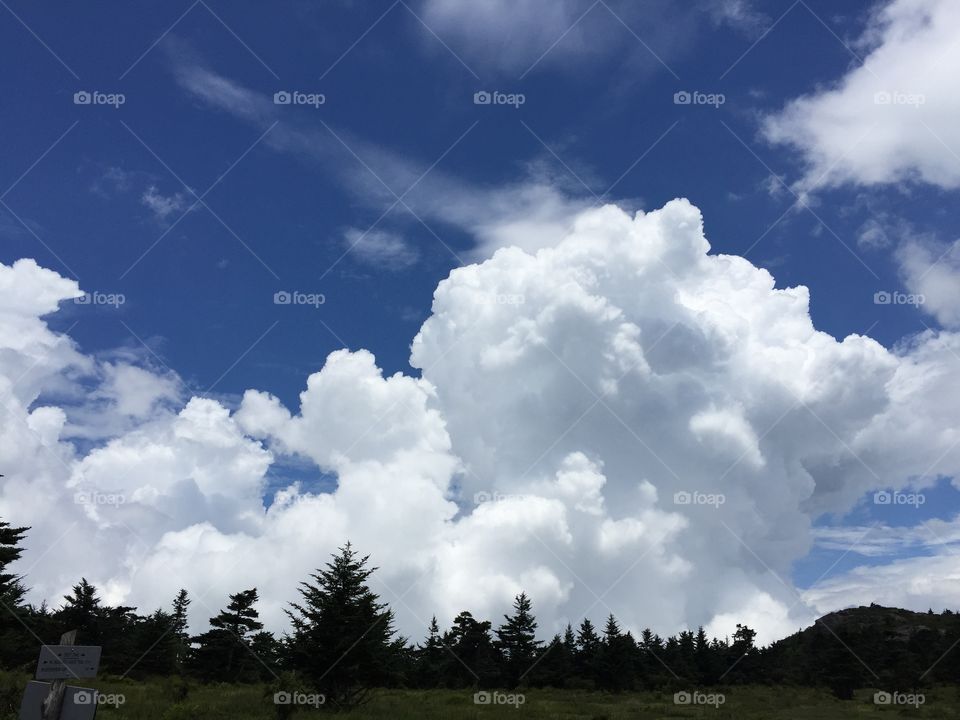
(53, 703)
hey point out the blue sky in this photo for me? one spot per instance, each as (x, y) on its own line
(318, 199)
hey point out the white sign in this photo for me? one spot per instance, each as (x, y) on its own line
(68, 662)
(76, 702)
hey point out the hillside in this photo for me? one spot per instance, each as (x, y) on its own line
(870, 646)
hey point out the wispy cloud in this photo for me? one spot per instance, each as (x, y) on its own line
(384, 250)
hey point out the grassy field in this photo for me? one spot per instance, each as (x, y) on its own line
(155, 701)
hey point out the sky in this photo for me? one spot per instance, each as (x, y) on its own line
(578, 299)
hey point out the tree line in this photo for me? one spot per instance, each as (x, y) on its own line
(342, 642)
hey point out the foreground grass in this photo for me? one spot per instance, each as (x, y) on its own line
(156, 701)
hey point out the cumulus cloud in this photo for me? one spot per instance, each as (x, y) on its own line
(617, 411)
(891, 119)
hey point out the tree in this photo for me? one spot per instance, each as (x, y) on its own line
(81, 611)
(516, 641)
(342, 639)
(178, 628)
(705, 659)
(11, 587)
(430, 658)
(473, 661)
(14, 638)
(152, 646)
(224, 653)
(588, 651)
(615, 662)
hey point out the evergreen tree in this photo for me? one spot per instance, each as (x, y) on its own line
(224, 653)
(705, 659)
(473, 661)
(517, 643)
(152, 646)
(81, 611)
(178, 628)
(555, 664)
(11, 587)
(743, 657)
(615, 664)
(649, 666)
(430, 658)
(588, 651)
(342, 635)
(15, 640)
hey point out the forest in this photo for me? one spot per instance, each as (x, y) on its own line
(342, 645)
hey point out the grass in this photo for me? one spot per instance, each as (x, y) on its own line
(157, 701)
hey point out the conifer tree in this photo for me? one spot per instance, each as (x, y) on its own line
(178, 628)
(517, 643)
(588, 651)
(430, 658)
(342, 639)
(224, 652)
(14, 638)
(615, 664)
(473, 661)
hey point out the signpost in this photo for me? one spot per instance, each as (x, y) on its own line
(62, 662)
(57, 700)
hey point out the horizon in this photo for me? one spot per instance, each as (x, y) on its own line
(662, 326)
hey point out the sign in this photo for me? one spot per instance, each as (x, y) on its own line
(77, 704)
(68, 662)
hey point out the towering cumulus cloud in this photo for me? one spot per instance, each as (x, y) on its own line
(620, 422)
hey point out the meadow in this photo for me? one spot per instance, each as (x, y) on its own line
(158, 700)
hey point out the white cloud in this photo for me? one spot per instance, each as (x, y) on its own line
(163, 206)
(740, 14)
(628, 364)
(916, 583)
(932, 269)
(529, 214)
(892, 119)
(513, 36)
(382, 249)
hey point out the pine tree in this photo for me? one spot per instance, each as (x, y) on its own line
(82, 611)
(342, 635)
(558, 665)
(11, 587)
(615, 664)
(15, 640)
(430, 658)
(178, 628)
(473, 660)
(224, 652)
(517, 643)
(704, 659)
(588, 651)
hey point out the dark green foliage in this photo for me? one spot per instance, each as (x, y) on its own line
(588, 652)
(225, 653)
(178, 629)
(343, 644)
(517, 642)
(615, 664)
(555, 667)
(474, 660)
(342, 641)
(15, 638)
(430, 658)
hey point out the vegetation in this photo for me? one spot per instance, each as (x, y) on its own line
(343, 653)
